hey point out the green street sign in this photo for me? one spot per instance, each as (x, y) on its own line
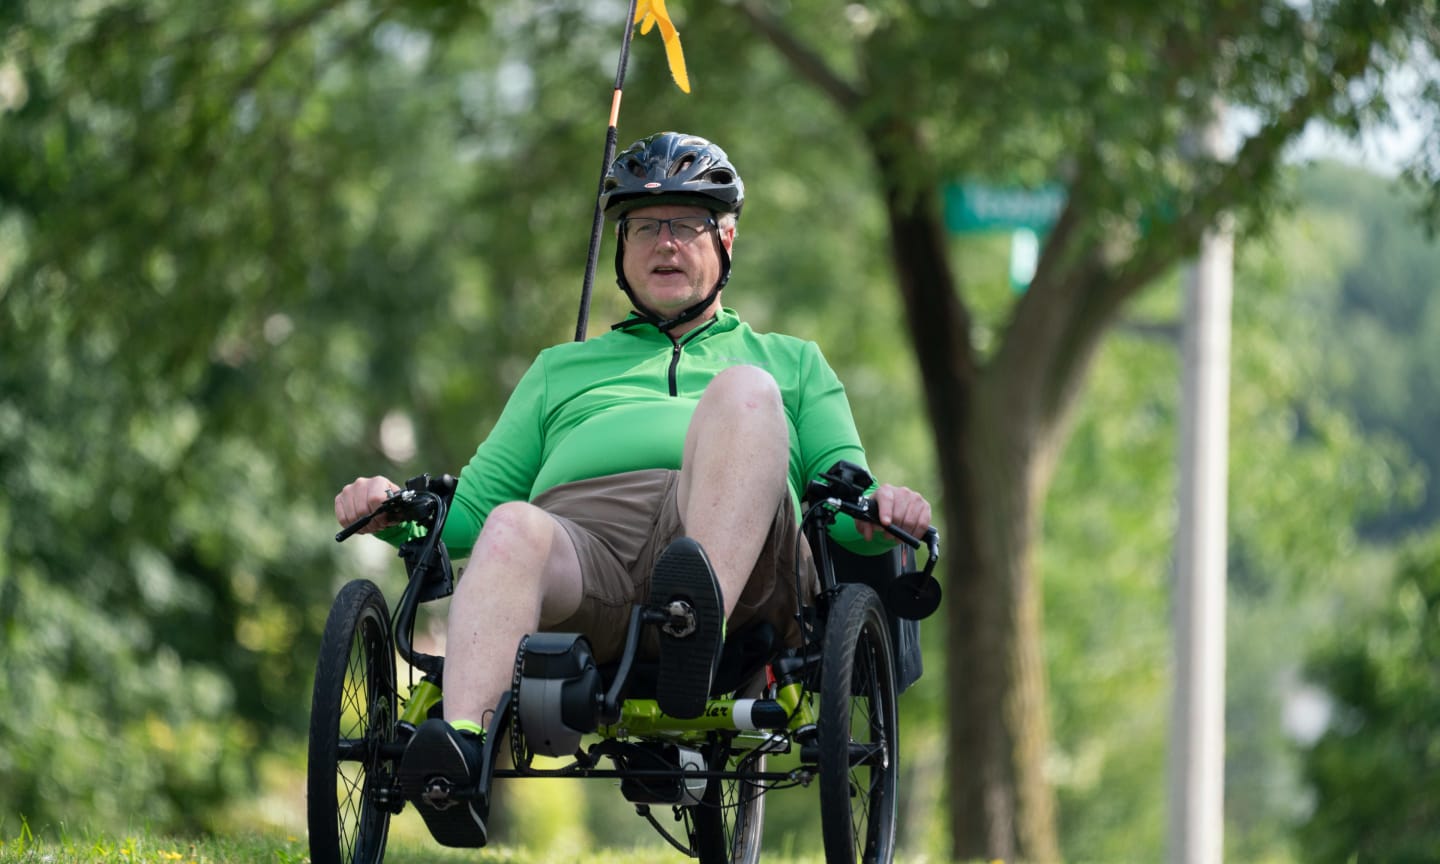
(972, 207)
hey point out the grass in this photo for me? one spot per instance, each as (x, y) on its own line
(25, 846)
(144, 849)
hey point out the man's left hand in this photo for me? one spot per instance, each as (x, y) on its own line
(899, 506)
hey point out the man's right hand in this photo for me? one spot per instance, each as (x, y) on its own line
(360, 498)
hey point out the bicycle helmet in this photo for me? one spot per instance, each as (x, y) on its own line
(672, 168)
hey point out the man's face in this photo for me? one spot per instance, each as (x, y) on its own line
(670, 273)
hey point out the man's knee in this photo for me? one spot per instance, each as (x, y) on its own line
(514, 527)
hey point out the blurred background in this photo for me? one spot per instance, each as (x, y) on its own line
(251, 251)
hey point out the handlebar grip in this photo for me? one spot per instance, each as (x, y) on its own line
(353, 527)
(865, 510)
(903, 536)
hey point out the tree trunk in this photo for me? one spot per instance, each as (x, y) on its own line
(1000, 803)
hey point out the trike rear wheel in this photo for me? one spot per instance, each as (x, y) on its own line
(858, 730)
(352, 717)
(729, 820)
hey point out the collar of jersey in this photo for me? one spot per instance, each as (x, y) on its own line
(724, 320)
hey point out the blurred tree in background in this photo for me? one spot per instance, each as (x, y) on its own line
(1305, 475)
(1391, 323)
(1373, 772)
(247, 253)
(215, 221)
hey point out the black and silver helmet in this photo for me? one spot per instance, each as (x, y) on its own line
(672, 168)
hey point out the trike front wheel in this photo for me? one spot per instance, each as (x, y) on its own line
(858, 730)
(352, 718)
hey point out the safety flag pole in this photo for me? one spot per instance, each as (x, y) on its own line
(646, 13)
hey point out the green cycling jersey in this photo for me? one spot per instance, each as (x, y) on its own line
(623, 402)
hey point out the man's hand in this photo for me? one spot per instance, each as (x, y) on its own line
(899, 506)
(360, 498)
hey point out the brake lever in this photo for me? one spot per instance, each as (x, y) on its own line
(932, 548)
(930, 540)
(391, 503)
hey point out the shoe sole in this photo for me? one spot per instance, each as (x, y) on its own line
(687, 664)
(431, 755)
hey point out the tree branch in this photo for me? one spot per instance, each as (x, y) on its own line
(802, 59)
(1254, 164)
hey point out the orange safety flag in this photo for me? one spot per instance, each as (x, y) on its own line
(647, 14)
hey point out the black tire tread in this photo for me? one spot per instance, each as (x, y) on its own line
(856, 628)
(359, 603)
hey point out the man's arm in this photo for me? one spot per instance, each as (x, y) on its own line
(505, 464)
(827, 433)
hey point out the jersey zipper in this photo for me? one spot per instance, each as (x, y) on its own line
(674, 363)
(677, 347)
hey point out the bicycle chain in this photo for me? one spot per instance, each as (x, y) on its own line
(520, 752)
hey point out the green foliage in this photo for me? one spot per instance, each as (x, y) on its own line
(204, 253)
(1389, 317)
(23, 846)
(1373, 772)
(1108, 537)
(1303, 475)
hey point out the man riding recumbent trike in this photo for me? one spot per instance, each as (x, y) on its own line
(822, 714)
(642, 595)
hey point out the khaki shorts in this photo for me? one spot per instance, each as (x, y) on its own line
(621, 523)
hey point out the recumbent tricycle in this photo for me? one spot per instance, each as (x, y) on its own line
(778, 717)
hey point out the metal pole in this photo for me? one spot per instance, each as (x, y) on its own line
(1197, 736)
(597, 226)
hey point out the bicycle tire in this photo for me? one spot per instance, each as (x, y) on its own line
(858, 731)
(730, 818)
(352, 713)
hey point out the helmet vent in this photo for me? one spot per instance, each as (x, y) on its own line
(720, 175)
(682, 164)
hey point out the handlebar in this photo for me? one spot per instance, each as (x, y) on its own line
(414, 503)
(842, 490)
(913, 594)
(866, 510)
(424, 500)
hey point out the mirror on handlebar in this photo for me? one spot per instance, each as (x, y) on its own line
(915, 594)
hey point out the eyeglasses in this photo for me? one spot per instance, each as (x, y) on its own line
(685, 229)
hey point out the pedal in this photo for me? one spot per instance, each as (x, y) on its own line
(680, 621)
(438, 794)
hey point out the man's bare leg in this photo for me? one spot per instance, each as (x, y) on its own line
(737, 455)
(523, 574)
